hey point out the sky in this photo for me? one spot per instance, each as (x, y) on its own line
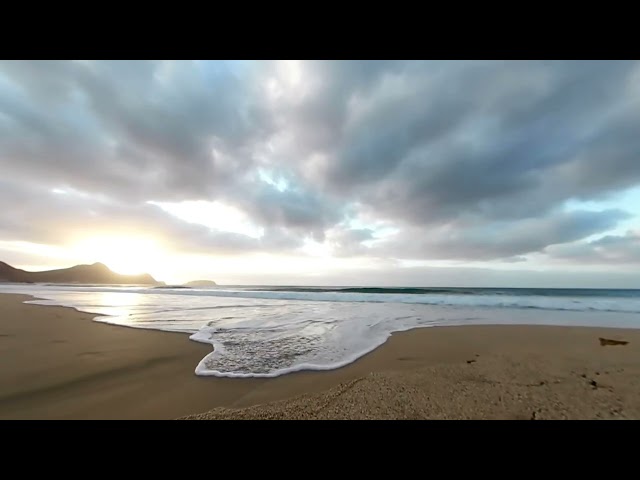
(414, 173)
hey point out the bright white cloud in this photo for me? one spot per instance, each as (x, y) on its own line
(214, 215)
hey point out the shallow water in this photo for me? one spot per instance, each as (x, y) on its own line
(270, 331)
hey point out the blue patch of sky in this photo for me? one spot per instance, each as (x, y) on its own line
(272, 178)
(628, 201)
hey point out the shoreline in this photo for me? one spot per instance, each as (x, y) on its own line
(60, 363)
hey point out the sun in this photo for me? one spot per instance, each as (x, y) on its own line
(127, 255)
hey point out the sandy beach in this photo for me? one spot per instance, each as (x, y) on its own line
(59, 364)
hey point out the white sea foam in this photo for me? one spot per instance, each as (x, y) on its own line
(270, 333)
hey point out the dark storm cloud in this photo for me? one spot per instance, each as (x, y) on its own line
(610, 249)
(348, 241)
(119, 128)
(301, 210)
(505, 132)
(468, 160)
(490, 241)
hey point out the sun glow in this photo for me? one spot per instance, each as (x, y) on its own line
(125, 255)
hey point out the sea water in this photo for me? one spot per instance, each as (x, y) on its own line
(267, 331)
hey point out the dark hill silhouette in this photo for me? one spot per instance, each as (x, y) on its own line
(96, 273)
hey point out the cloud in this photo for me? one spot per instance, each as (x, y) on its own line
(518, 146)
(506, 240)
(465, 160)
(42, 216)
(610, 249)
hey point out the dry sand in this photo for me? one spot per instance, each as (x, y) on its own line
(57, 363)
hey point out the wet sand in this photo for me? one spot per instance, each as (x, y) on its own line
(56, 363)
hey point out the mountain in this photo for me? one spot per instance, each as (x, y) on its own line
(96, 273)
(201, 283)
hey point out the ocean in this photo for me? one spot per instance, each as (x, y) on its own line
(265, 331)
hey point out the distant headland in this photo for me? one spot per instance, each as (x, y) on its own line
(97, 273)
(201, 283)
